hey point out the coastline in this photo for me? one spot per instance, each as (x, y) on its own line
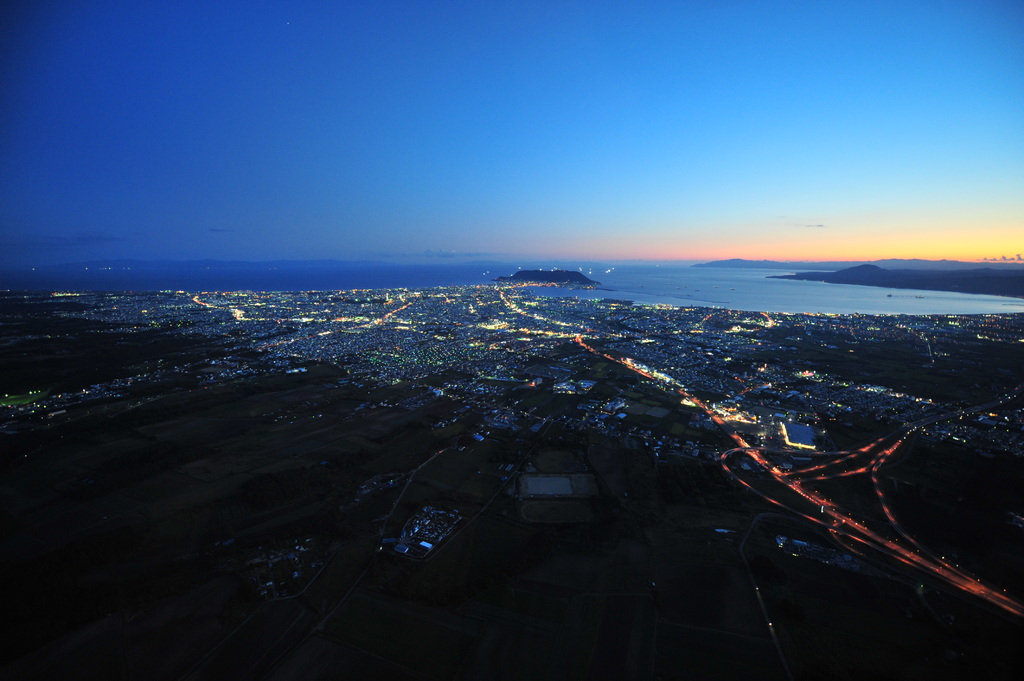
(756, 290)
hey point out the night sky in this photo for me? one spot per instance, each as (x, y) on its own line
(695, 129)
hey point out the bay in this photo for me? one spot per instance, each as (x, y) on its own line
(677, 285)
(753, 290)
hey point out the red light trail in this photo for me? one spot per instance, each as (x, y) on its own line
(904, 548)
(794, 489)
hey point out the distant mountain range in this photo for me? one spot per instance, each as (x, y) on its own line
(550, 277)
(832, 266)
(985, 280)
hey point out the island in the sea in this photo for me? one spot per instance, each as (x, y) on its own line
(565, 277)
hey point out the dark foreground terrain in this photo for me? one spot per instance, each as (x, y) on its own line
(195, 488)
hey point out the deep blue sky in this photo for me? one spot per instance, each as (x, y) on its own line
(602, 130)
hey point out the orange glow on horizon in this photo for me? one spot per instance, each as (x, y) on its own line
(869, 244)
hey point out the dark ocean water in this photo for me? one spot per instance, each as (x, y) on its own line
(246, 277)
(739, 289)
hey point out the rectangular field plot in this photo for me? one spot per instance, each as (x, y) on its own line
(713, 596)
(398, 456)
(400, 635)
(533, 605)
(319, 658)
(691, 653)
(478, 553)
(480, 487)
(509, 653)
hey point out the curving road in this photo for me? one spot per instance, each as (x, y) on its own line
(798, 492)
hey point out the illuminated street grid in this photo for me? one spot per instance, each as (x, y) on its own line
(755, 364)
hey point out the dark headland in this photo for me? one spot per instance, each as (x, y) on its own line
(569, 277)
(984, 280)
(889, 264)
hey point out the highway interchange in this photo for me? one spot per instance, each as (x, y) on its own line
(796, 490)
